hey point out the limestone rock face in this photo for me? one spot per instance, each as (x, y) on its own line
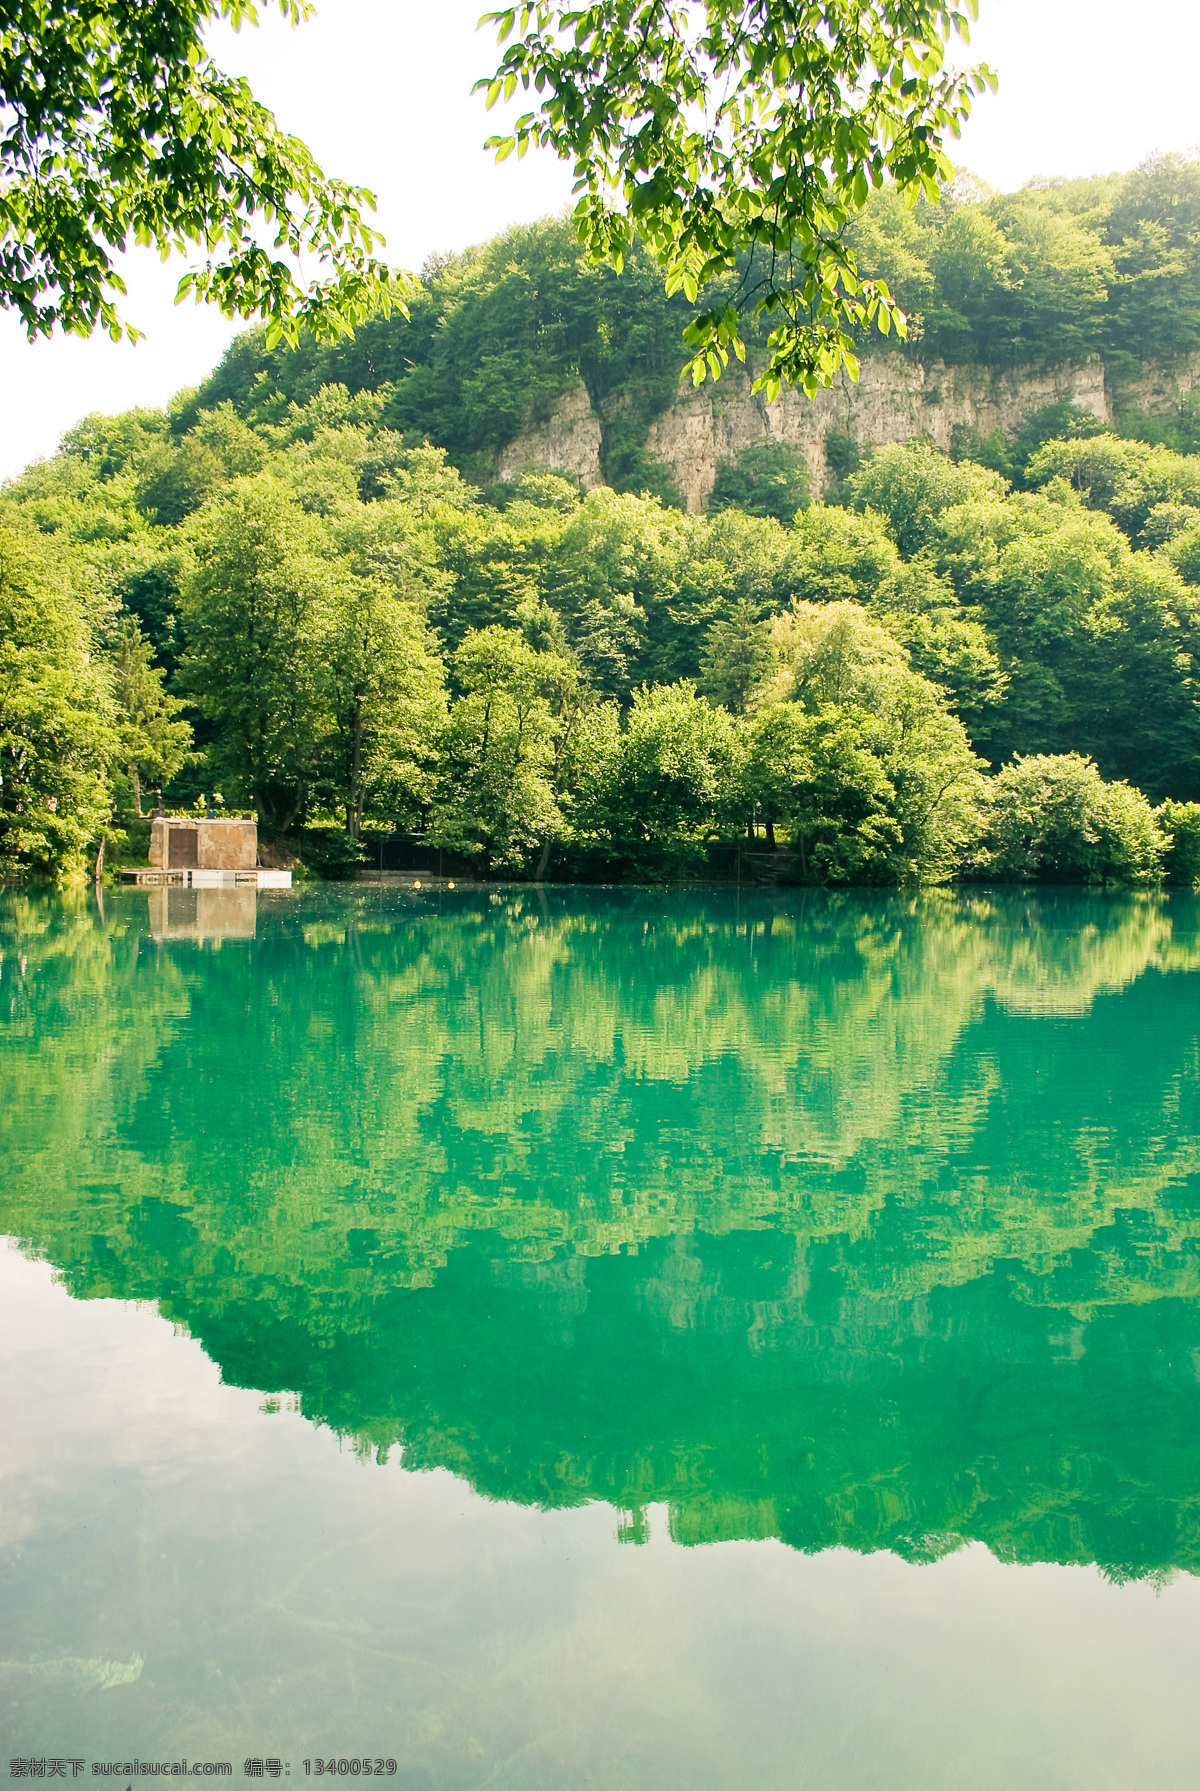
(1159, 389)
(568, 443)
(896, 399)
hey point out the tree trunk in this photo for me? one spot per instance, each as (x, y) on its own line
(770, 834)
(100, 860)
(543, 861)
(297, 808)
(354, 806)
(136, 781)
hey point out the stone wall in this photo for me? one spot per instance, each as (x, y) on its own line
(221, 845)
(895, 399)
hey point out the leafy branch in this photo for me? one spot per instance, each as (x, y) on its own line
(116, 126)
(743, 125)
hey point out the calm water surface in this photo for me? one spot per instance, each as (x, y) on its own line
(604, 1338)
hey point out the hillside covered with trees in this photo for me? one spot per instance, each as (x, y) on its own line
(303, 587)
(1059, 271)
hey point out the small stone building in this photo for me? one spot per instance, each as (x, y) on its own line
(185, 843)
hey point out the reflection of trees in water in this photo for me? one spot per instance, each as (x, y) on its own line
(814, 1214)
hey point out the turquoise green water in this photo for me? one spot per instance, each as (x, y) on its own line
(604, 1338)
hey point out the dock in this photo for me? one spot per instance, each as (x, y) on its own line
(152, 876)
(203, 852)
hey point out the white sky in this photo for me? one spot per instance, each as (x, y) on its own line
(380, 89)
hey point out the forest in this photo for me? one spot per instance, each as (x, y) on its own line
(301, 591)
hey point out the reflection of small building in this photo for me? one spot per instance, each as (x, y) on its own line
(200, 852)
(177, 913)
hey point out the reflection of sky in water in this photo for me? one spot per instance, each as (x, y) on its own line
(865, 1225)
(288, 1598)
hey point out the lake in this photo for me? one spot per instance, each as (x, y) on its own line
(602, 1338)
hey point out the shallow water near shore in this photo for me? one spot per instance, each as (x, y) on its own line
(603, 1338)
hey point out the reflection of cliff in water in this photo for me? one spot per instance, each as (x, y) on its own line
(858, 1219)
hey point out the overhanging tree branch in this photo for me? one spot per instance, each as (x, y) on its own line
(117, 127)
(743, 123)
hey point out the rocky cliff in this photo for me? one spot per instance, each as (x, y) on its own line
(895, 399)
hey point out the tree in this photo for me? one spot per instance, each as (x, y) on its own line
(1153, 225)
(1128, 479)
(1044, 578)
(832, 658)
(175, 479)
(737, 657)
(1183, 549)
(258, 613)
(1180, 821)
(934, 771)
(1098, 643)
(765, 480)
(1136, 708)
(155, 741)
(496, 797)
(834, 554)
(831, 653)
(386, 707)
(1053, 819)
(890, 241)
(57, 734)
(967, 260)
(118, 125)
(837, 554)
(743, 144)
(912, 485)
(818, 777)
(1015, 275)
(615, 574)
(655, 790)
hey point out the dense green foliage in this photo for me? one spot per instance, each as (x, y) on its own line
(288, 587)
(602, 681)
(752, 136)
(1055, 820)
(1059, 271)
(492, 339)
(57, 733)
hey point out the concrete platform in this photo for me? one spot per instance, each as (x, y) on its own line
(152, 877)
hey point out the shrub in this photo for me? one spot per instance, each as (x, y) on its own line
(1053, 819)
(765, 480)
(1181, 820)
